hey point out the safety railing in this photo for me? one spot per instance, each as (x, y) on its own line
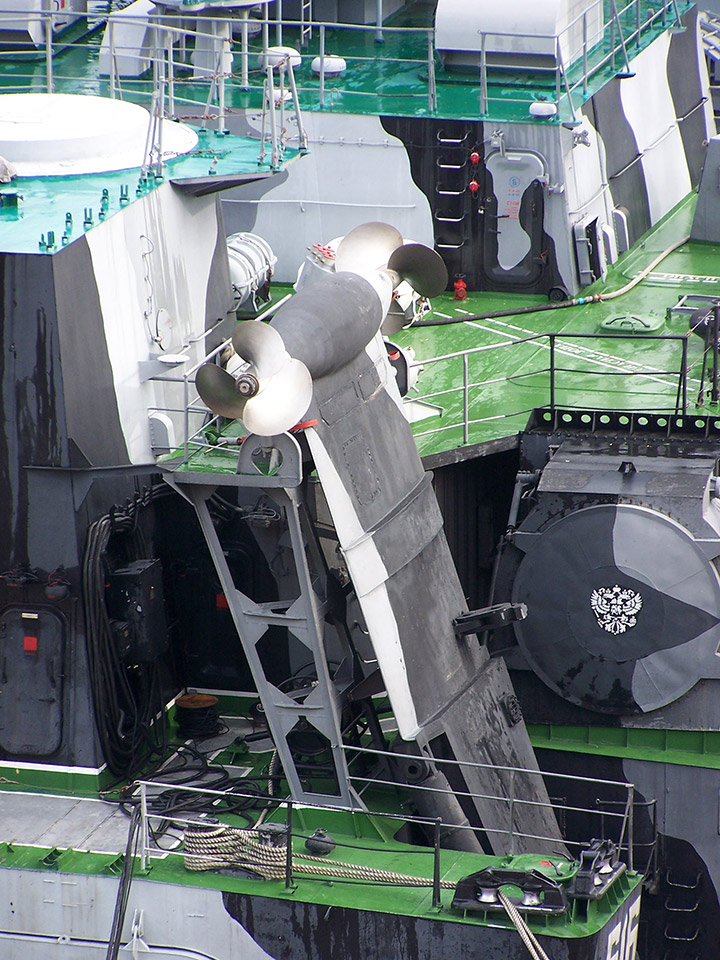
(665, 389)
(609, 816)
(594, 46)
(472, 401)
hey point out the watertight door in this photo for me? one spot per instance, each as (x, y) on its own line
(31, 657)
(513, 220)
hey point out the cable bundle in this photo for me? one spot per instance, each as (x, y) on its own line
(125, 705)
(197, 717)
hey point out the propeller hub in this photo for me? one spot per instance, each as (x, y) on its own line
(247, 385)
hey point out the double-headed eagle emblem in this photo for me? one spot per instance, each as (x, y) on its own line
(616, 608)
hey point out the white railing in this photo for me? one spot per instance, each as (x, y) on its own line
(610, 815)
(584, 51)
(665, 391)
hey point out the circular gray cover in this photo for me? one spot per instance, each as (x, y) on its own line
(623, 608)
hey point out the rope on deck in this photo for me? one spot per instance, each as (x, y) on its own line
(222, 846)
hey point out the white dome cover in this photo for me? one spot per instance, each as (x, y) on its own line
(59, 134)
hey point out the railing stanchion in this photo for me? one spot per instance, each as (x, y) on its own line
(512, 813)
(186, 419)
(483, 76)
(322, 64)
(631, 826)
(288, 848)
(432, 87)
(48, 24)
(113, 64)
(552, 374)
(144, 839)
(436, 865)
(466, 399)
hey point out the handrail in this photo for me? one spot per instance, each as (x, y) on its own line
(467, 386)
(606, 34)
(604, 811)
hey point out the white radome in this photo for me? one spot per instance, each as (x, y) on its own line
(59, 134)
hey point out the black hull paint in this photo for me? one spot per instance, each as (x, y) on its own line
(306, 931)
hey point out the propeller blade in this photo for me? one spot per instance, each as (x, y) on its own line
(395, 320)
(218, 391)
(367, 247)
(260, 345)
(423, 268)
(281, 401)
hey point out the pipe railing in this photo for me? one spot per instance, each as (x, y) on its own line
(602, 811)
(614, 816)
(596, 43)
(607, 368)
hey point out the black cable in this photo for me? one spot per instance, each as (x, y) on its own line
(126, 703)
(123, 894)
(198, 723)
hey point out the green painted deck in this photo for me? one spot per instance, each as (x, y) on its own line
(356, 844)
(46, 202)
(505, 368)
(509, 358)
(388, 78)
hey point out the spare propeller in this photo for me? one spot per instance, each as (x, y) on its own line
(424, 269)
(367, 247)
(270, 395)
(272, 390)
(373, 247)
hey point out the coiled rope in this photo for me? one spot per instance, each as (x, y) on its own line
(223, 846)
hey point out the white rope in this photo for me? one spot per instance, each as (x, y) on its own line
(225, 846)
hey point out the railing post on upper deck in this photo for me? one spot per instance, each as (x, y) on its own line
(585, 55)
(638, 23)
(48, 24)
(436, 864)
(684, 373)
(278, 24)
(379, 38)
(288, 848)
(266, 26)
(558, 74)
(111, 53)
(244, 54)
(170, 48)
(322, 64)
(483, 76)
(552, 373)
(432, 87)
(466, 399)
